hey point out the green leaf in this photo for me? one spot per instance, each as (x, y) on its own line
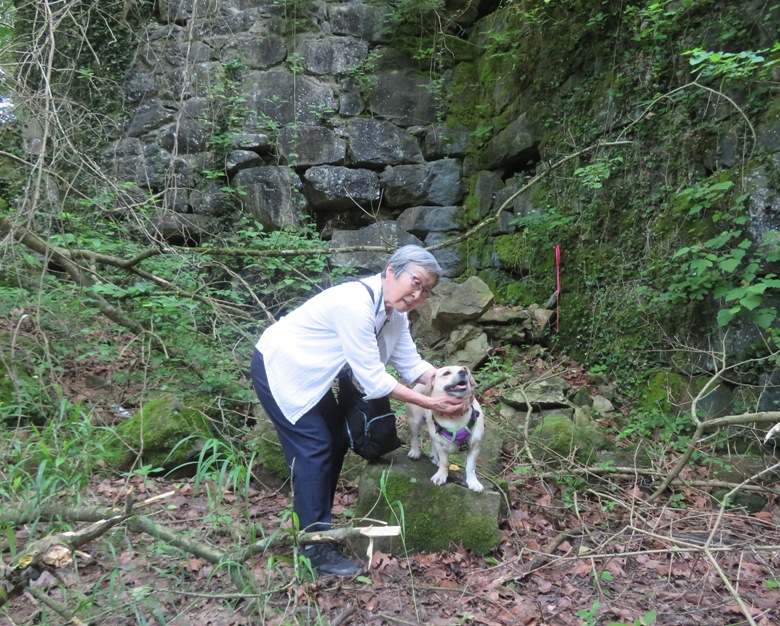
(765, 318)
(726, 315)
(723, 186)
(750, 301)
(729, 265)
(699, 265)
(757, 288)
(735, 294)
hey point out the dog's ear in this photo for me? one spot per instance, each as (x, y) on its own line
(472, 382)
(473, 385)
(428, 390)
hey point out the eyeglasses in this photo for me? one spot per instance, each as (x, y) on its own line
(417, 285)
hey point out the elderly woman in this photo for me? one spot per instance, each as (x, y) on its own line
(297, 359)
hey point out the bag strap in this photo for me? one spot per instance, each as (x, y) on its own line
(368, 289)
(371, 293)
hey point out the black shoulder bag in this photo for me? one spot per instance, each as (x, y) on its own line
(370, 423)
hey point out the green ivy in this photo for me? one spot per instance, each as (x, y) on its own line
(727, 265)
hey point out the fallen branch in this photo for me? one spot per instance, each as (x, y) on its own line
(539, 560)
(105, 518)
(701, 425)
(56, 551)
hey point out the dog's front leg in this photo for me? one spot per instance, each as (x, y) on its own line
(415, 419)
(431, 426)
(471, 468)
(442, 460)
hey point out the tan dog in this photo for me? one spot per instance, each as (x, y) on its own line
(449, 434)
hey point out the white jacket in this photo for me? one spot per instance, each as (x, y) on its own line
(305, 350)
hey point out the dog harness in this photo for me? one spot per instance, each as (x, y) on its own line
(460, 437)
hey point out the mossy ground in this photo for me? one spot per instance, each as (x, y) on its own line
(163, 432)
(557, 437)
(433, 517)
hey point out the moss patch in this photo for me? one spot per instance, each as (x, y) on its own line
(557, 438)
(18, 376)
(265, 441)
(164, 432)
(434, 518)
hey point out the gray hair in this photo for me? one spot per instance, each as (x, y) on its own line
(414, 255)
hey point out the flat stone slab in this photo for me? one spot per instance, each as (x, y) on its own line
(399, 491)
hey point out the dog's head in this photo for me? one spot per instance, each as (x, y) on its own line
(451, 380)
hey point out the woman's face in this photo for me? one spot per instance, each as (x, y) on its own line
(408, 288)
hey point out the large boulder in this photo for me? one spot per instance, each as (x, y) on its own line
(543, 393)
(672, 393)
(284, 98)
(331, 55)
(434, 183)
(359, 20)
(517, 144)
(442, 141)
(462, 302)
(150, 166)
(304, 146)
(435, 517)
(467, 345)
(261, 51)
(148, 116)
(403, 96)
(510, 325)
(421, 220)
(450, 305)
(449, 257)
(165, 433)
(272, 195)
(558, 439)
(184, 136)
(384, 234)
(182, 10)
(340, 188)
(374, 143)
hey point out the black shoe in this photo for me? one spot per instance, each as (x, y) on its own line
(326, 560)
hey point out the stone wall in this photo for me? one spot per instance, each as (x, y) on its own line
(308, 110)
(337, 115)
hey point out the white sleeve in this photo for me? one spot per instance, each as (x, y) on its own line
(406, 359)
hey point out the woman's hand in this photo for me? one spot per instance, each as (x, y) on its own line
(448, 406)
(445, 406)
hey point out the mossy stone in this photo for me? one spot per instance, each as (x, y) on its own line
(435, 517)
(662, 387)
(164, 431)
(557, 438)
(271, 467)
(17, 376)
(750, 501)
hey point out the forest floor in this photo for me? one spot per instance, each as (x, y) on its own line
(572, 553)
(590, 563)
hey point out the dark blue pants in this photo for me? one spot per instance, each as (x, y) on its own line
(314, 447)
